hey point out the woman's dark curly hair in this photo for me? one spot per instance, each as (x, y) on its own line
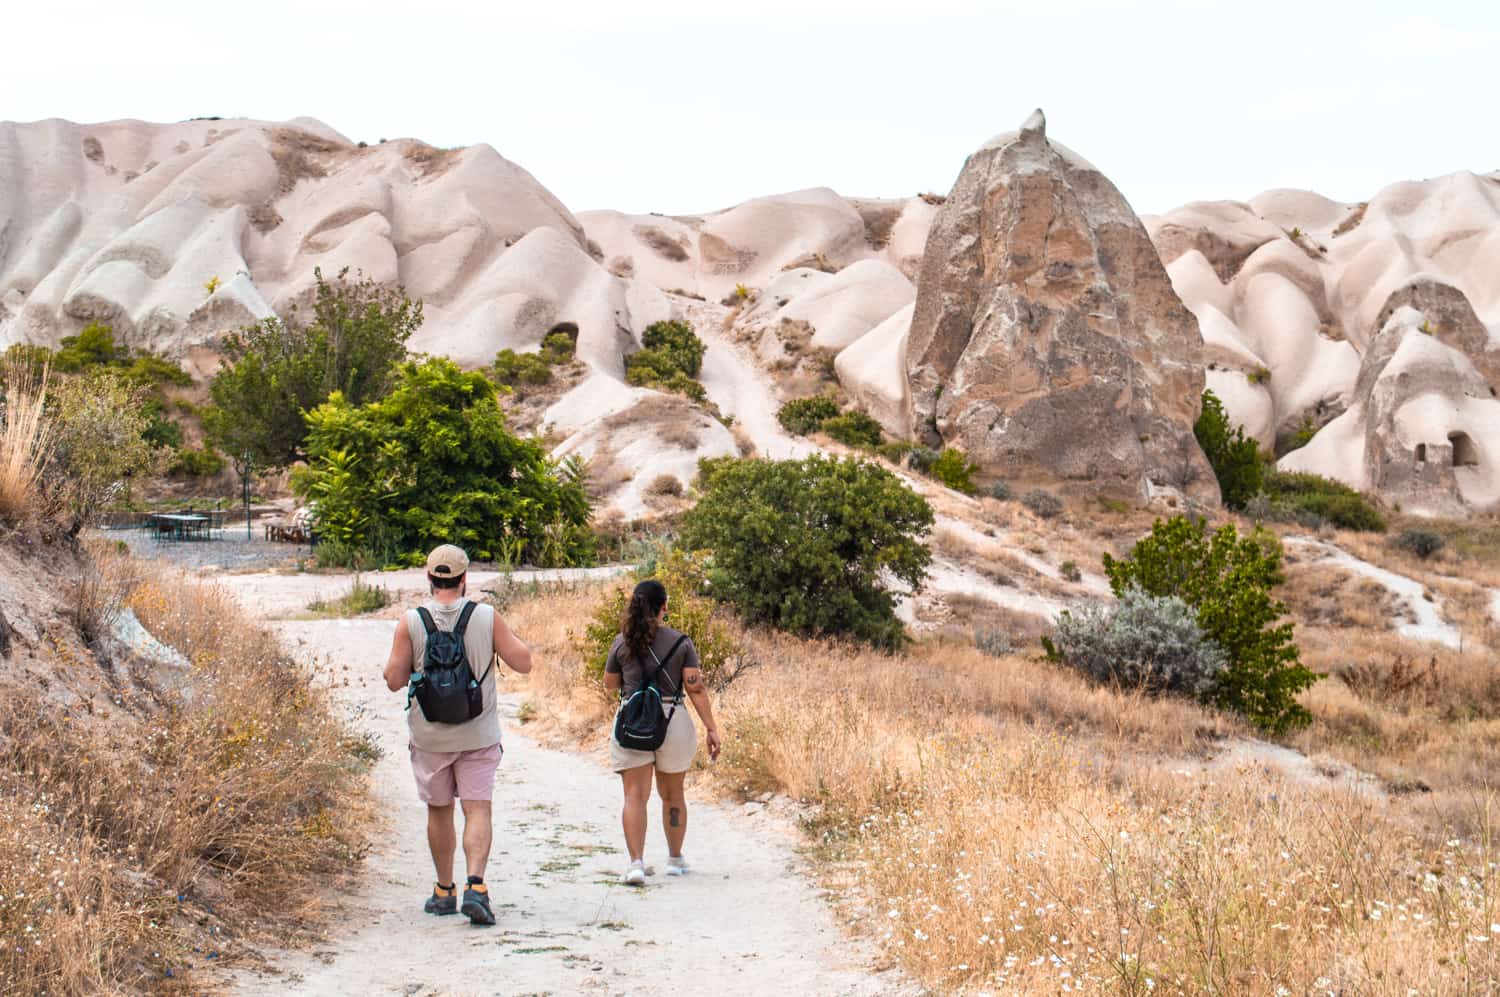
(639, 625)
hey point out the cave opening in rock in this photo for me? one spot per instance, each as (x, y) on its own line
(1465, 453)
(1421, 453)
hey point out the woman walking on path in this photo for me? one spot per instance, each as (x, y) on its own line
(648, 651)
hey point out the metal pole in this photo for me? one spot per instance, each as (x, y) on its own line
(245, 486)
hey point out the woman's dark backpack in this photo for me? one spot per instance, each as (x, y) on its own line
(641, 724)
(446, 688)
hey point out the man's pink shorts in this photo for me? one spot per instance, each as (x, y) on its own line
(442, 775)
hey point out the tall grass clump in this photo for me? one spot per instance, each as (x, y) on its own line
(224, 797)
(24, 440)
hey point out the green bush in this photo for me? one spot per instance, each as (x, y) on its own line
(433, 462)
(560, 346)
(1070, 572)
(1043, 503)
(954, 469)
(1001, 492)
(97, 442)
(276, 372)
(808, 545)
(160, 431)
(1236, 459)
(1227, 580)
(670, 359)
(197, 463)
(689, 610)
(805, 416)
(512, 368)
(854, 429)
(895, 451)
(922, 459)
(1144, 641)
(1422, 543)
(1311, 498)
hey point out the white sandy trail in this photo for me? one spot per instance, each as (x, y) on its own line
(746, 921)
(1429, 626)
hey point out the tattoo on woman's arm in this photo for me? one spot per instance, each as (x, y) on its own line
(693, 682)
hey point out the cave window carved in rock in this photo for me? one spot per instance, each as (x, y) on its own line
(1465, 453)
(1421, 453)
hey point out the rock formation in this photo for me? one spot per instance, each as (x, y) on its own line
(1290, 287)
(1047, 341)
(1421, 428)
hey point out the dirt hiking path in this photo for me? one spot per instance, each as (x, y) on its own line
(745, 921)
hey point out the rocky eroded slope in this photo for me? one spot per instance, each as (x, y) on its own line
(1309, 311)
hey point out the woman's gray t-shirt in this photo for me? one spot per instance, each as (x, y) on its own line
(622, 663)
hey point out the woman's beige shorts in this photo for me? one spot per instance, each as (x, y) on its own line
(675, 754)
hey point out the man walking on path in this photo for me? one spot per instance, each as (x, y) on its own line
(454, 755)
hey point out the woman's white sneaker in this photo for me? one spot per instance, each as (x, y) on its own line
(636, 874)
(677, 866)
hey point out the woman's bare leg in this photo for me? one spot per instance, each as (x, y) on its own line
(637, 783)
(674, 813)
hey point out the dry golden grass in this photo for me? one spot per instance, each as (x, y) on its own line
(167, 808)
(24, 442)
(999, 823)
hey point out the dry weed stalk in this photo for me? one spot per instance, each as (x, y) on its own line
(25, 444)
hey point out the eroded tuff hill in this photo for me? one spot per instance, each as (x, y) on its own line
(127, 222)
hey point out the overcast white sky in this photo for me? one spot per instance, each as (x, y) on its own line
(678, 106)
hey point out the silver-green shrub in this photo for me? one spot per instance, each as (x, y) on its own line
(1143, 641)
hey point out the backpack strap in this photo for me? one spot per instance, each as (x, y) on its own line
(463, 619)
(661, 666)
(428, 623)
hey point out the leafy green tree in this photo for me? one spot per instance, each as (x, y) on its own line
(808, 545)
(670, 359)
(1227, 579)
(276, 371)
(97, 440)
(94, 346)
(1236, 459)
(433, 462)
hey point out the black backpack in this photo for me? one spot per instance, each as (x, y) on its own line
(641, 724)
(446, 688)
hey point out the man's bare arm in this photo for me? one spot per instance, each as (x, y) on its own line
(512, 650)
(398, 666)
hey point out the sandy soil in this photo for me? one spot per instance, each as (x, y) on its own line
(746, 921)
(1429, 626)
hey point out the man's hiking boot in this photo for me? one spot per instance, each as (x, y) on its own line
(476, 906)
(444, 900)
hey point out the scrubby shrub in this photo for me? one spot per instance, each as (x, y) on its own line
(1001, 491)
(1301, 494)
(690, 609)
(1423, 543)
(195, 462)
(560, 345)
(954, 469)
(1142, 642)
(512, 368)
(805, 416)
(1043, 503)
(1227, 580)
(670, 359)
(810, 545)
(1236, 459)
(895, 451)
(433, 462)
(1070, 572)
(922, 459)
(361, 598)
(25, 442)
(993, 641)
(855, 429)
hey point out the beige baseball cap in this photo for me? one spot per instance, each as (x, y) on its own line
(447, 561)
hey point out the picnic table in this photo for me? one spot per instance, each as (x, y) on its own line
(184, 525)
